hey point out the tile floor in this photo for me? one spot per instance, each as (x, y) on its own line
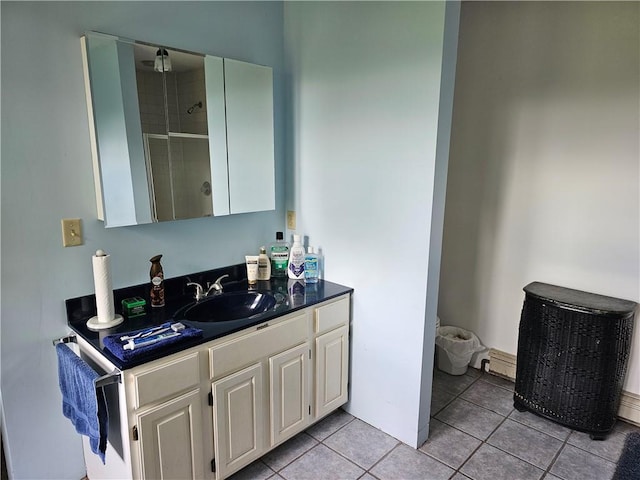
(475, 433)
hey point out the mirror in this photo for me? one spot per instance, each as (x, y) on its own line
(173, 115)
(177, 134)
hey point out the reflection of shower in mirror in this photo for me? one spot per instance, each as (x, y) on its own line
(193, 107)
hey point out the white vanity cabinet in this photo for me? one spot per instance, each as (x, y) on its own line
(239, 418)
(332, 356)
(210, 410)
(252, 374)
(166, 411)
(289, 393)
(170, 439)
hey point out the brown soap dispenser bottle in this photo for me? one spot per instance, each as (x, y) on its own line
(157, 282)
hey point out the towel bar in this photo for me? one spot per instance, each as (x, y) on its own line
(109, 378)
(67, 339)
(103, 381)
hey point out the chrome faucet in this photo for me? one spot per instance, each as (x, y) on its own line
(215, 286)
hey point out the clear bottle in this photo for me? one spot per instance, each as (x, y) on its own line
(311, 270)
(279, 253)
(264, 265)
(295, 268)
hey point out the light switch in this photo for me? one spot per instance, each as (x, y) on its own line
(71, 232)
(291, 220)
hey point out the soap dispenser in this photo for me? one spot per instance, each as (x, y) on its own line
(157, 282)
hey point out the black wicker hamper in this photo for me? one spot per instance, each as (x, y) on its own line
(573, 350)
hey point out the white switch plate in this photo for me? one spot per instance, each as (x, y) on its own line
(71, 232)
(291, 220)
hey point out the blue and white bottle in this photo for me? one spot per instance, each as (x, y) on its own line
(311, 267)
(295, 268)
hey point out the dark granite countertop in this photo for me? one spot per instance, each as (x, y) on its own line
(177, 295)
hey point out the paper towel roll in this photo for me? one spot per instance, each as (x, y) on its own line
(106, 317)
(104, 289)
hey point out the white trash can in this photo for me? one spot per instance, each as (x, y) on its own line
(455, 347)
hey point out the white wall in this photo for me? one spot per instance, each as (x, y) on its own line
(544, 179)
(47, 175)
(365, 90)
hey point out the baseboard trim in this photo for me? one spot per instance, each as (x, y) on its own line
(503, 364)
(630, 408)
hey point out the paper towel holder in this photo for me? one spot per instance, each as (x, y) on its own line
(102, 282)
(94, 324)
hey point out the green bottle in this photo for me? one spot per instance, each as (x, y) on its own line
(279, 255)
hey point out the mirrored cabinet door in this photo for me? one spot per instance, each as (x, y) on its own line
(122, 191)
(173, 115)
(249, 117)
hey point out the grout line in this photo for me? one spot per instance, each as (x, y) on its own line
(609, 436)
(485, 441)
(538, 428)
(366, 470)
(293, 459)
(432, 415)
(332, 433)
(486, 375)
(458, 470)
(546, 471)
(318, 442)
(556, 456)
(455, 470)
(382, 458)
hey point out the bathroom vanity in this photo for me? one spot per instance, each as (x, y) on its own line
(211, 408)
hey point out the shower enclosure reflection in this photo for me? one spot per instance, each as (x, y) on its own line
(173, 114)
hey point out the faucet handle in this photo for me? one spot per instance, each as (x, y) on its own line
(217, 286)
(199, 290)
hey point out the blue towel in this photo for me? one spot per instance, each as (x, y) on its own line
(116, 346)
(82, 402)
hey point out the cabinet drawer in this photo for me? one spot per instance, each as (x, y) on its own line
(167, 379)
(240, 352)
(332, 315)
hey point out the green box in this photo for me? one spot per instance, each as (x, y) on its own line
(133, 307)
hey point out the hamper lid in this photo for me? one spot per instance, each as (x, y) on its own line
(579, 300)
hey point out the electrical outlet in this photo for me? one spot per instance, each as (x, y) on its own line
(291, 220)
(71, 232)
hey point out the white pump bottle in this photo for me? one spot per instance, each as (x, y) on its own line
(295, 267)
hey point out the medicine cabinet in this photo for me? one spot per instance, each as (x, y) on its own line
(176, 134)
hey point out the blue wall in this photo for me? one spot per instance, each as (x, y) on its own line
(47, 176)
(364, 105)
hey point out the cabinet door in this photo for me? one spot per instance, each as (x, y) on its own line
(288, 387)
(238, 419)
(170, 439)
(250, 150)
(332, 370)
